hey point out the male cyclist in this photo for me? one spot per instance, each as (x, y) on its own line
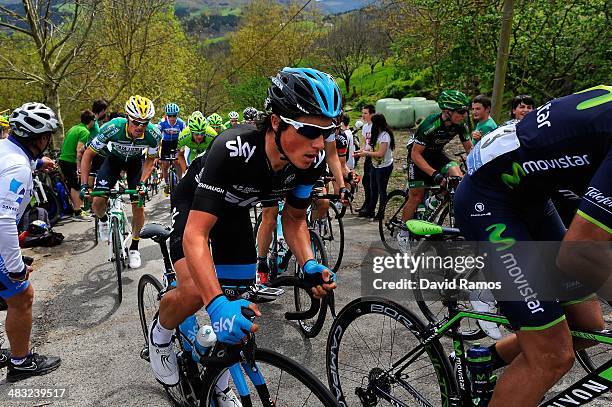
(428, 163)
(4, 126)
(250, 115)
(505, 200)
(196, 137)
(216, 122)
(32, 126)
(233, 119)
(170, 127)
(281, 158)
(122, 142)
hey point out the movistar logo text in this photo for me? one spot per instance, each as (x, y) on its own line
(598, 100)
(495, 237)
(513, 180)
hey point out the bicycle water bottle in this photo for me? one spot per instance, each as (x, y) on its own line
(189, 327)
(205, 339)
(480, 373)
(421, 212)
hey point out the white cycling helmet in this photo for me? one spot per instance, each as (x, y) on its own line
(358, 124)
(233, 115)
(33, 119)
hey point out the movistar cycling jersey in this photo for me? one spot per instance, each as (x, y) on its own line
(195, 149)
(114, 140)
(171, 132)
(433, 134)
(564, 145)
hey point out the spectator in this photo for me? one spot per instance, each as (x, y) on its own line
(481, 112)
(521, 105)
(366, 114)
(70, 157)
(99, 110)
(380, 151)
(114, 115)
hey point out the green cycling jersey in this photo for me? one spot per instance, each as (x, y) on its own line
(195, 149)
(433, 134)
(113, 139)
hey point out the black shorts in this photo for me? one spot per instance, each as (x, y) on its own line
(418, 178)
(110, 171)
(231, 241)
(69, 171)
(168, 150)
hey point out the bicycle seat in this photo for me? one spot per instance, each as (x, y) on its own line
(158, 233)
(423, 228)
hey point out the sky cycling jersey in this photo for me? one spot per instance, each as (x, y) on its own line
(433, 134)
(195, 149)
(114, 140)
(171, 132)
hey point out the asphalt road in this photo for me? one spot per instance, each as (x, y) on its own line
(77, 316)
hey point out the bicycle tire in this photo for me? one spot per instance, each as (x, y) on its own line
(311, 327)
(117, 254)
(387, 228)
(96, 229)
(334, 234)
(147, 302)
(377, 368)
(303, 386)
(173, 181)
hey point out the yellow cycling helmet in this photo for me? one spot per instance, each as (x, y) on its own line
(4, 122)
(139, 107)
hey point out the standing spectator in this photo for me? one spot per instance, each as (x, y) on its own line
(366, 114)
(521, 105)
(74, 142)
(481, 112)
(99, 110)
(382, 144)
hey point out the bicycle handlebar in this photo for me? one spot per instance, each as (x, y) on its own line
(290, 281)
(118, 192)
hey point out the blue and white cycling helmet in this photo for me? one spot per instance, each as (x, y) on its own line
(171, 109)
(303, 92)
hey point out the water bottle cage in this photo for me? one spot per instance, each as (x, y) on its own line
(223, 355)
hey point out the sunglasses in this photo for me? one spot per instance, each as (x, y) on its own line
(171, 115)
(311, 131)
(198, 134)
(139, 123)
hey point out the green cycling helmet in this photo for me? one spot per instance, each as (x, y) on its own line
(453, 100)
(215, 120)
(197, 122)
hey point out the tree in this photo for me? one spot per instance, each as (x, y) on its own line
(345, 46)
(57, 46)
(501, 64)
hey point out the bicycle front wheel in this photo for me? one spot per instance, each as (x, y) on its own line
(376, 356)
(283, 383)
(390, 224)
(311, 327)
(117, 255)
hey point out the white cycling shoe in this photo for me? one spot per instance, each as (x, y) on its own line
(490, 328)
(226, 398)
(163, 360)
(103, 231)
(134, 259)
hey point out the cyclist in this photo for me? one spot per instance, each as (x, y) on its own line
(505, 200)
(196, 137)
(280, 158)
(250, 115)
(428, 163)
(216, 122)
(32, 126)
(4, 126)
(233, 119)
(122, 141)
(170, 127)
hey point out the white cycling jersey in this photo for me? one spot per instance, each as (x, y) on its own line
(15, 195)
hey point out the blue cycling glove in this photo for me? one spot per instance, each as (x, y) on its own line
(313, 272)
(227, 320)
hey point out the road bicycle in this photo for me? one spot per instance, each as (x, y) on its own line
(260, 377)
(380, 353)
(281, 260)
(330, 227)
(120, 233)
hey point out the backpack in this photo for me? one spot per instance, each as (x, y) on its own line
(35, 229)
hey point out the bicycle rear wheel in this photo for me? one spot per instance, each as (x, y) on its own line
(376, 353)
(390, 224)
(149, 296)
(285, 383)
(311, 327)
(117, 255)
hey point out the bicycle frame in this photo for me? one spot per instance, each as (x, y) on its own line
(588, 388)
(116, 210)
